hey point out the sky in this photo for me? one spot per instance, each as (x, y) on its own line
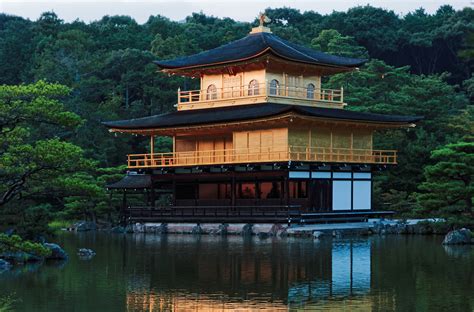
(241, 10)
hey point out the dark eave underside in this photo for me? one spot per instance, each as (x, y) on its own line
(132, 181)
(251, 112)
(255, 45)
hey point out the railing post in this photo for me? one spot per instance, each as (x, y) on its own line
(342, 94)
(179, 95)
(152, 148)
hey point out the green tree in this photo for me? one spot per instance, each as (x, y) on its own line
(35, 164)
(449, 181)
(91, 199)
(15, 243)
(16, 48)
(22, 158)
(332, 42)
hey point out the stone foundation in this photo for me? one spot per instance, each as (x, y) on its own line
(265, 230)
(262, 230)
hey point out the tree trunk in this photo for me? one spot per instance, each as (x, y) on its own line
(469, 206)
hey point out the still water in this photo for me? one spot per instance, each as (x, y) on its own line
(207, 273)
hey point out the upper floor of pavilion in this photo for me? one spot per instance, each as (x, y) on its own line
(259, 68)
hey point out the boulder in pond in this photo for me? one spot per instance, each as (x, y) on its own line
(118, 229)
(458, 237)
(85, 226)
(138, 228)
(197, 229)
(85, 253)
(57, 253)
(4, 265)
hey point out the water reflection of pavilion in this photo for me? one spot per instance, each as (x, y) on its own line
(218, 274)
(350, 276)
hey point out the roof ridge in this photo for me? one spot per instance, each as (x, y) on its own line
(264, 40)
(284, 42)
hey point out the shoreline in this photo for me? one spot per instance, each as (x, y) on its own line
(431, 226)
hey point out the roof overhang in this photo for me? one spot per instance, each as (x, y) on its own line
(265, 59)
(283, 120)
(254, 46)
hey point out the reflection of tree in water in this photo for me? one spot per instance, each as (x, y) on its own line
(206, 273)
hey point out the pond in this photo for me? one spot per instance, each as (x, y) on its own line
(214, 273)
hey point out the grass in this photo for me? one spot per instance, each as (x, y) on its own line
(57, 225)
(6, 304)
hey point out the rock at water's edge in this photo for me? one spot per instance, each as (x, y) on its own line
(57, 253)
(458, 237)
(139, 228)
(247, 230)
(85, 253)
(84, 226)
(196, 229)
(118, 229)
(4, 265)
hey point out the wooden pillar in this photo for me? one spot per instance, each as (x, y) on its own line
(124, 200)
(196, 192)
(152, 195)
(233, 190)
(152, 144)
(152, 150)
(174, 192)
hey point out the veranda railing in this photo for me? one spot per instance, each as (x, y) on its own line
(259, 155)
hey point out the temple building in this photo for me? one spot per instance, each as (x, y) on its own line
(260, 141)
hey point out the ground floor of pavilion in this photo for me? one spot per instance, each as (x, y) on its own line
(249, 193)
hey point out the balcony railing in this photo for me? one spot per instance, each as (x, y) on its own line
(260, 155)
(262, 90)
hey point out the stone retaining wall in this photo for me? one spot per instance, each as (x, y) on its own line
(264, 230)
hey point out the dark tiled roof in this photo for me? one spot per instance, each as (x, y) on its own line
(255, 45)
(249, 112)
(132, 181)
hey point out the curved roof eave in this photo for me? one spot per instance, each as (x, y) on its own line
(252, 112)
(253, 46)
(268, 50)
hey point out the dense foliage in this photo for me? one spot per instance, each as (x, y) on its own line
(40, 172)
(62, 79)
(14, 243)
(448, 182)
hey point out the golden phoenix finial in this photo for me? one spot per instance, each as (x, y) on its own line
(263, 19)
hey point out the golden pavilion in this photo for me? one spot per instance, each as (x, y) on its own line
(260, 141)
